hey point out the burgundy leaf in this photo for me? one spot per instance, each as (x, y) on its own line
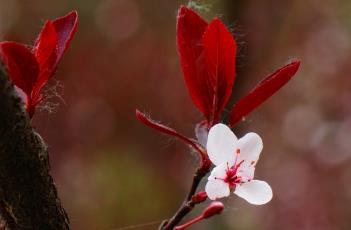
(31, 69)
(263, 91)
(190, 29)
(46, 43)
(169, 131)
(21, 64)
(220, 56)
(66, 27)
(45, 52)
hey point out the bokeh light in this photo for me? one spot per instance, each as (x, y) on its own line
(9, 11)
(118, 19)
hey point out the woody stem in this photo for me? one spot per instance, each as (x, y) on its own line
(187, 205)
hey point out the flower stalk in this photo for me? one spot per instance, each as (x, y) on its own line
(188, 204)
(214, 208)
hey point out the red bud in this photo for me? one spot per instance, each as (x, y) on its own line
(214, 208)
(199, 197)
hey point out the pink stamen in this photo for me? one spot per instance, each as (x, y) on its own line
(236, 156)
(232, 179)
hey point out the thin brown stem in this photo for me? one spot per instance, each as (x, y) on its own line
(188, 203)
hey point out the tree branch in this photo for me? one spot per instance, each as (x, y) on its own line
(187, 205)
(28, 196)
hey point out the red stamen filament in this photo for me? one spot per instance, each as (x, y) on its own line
(231, 178)
(236, 156)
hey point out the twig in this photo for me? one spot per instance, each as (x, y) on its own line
(187, 205)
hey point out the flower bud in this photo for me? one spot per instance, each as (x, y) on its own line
(199, 197)
(214, 208)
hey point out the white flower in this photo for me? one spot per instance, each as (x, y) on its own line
(235, 161)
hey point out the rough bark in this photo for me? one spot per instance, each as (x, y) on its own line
(28, 196)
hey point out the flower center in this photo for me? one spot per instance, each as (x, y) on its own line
(232, 178)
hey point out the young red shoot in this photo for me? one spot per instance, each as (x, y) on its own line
(30, 68)
(207, 53)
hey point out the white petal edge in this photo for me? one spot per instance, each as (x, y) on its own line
(216, 189)
(246, 173)
(221, 144)
(219, 171)
(255, 192)
(250, 146)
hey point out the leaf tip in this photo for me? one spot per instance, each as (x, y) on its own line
(183, 10)
(292, 67)
(217, 21)
(72, 15)
(142, 117)
(138, 114)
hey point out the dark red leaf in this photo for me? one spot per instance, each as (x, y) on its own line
(166, 130)
(45, 51)
(263, 91)
(21, 64)
(66, 27)
(190, 29)
(220, 56)
(46, 43)
(30, 70)
(207, 57)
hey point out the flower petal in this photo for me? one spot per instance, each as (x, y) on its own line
(221, 145)
(216, 189)
(219, 172)
(255, 192)
(246, 173)
(250, 147)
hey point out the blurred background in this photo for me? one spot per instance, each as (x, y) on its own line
(113, 172)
